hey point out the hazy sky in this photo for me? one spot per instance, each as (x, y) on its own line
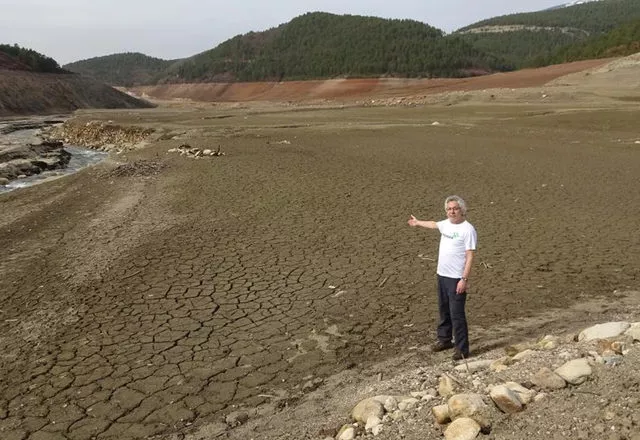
(71, 30)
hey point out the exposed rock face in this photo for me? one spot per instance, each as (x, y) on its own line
(26, 160)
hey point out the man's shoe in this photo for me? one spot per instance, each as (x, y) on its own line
(441, 346)
(457, 355)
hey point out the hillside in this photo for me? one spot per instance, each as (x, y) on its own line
(524, 40)
(14, 57)
(314, 45)
(28, 93)
(320, 45)
(124, 69)
(622, 41)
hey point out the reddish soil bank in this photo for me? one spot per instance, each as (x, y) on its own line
(345, 89)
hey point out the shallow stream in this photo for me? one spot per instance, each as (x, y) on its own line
(80, 158)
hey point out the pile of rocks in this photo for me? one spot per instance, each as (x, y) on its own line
(464, 403)
(196, 153)
(138, 168)
(18, 161)
(100, 135)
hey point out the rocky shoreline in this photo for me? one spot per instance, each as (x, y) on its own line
(41, 147)
(23, 156)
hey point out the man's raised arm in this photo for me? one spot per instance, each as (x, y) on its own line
(422, 223)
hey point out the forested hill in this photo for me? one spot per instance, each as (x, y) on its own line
(524, 40)
(323, 45)
(622, 41)
(14, 57)
(320, 45)
(123, 69)
(314, 45)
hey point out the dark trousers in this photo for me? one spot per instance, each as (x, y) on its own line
(453, 321)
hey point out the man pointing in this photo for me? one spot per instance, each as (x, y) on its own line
(458, 241)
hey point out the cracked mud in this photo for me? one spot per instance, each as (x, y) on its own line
(135, 305)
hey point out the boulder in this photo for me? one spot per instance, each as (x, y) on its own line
(469, 405)
(367, 408)
(604, 331)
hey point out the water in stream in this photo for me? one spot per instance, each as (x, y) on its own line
(80, 158)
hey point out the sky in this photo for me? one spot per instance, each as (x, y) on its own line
(73, 30)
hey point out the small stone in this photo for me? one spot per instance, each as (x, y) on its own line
(474, 366)
(514, 349)
(390, 404)
(549, 342)
(525, 395)
(634, 329)
(441, 414)
(446, 386)
(523, 355)
(613, 360)
(539, 397)
(462, 429)
(576, 371)
(372, 422)
(408, 404)
(506, 399)
(548, 380)
(347, 432)
(599, 428)
(236, 418)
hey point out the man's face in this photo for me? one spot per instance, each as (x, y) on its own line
(454, 213)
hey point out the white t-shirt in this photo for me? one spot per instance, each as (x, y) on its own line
(455, 240)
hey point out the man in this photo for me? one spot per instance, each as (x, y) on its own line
(458, 240)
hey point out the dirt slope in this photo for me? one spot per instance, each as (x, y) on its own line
(357, 88)
(29, 93)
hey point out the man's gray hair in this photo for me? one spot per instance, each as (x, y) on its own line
(461, 203)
